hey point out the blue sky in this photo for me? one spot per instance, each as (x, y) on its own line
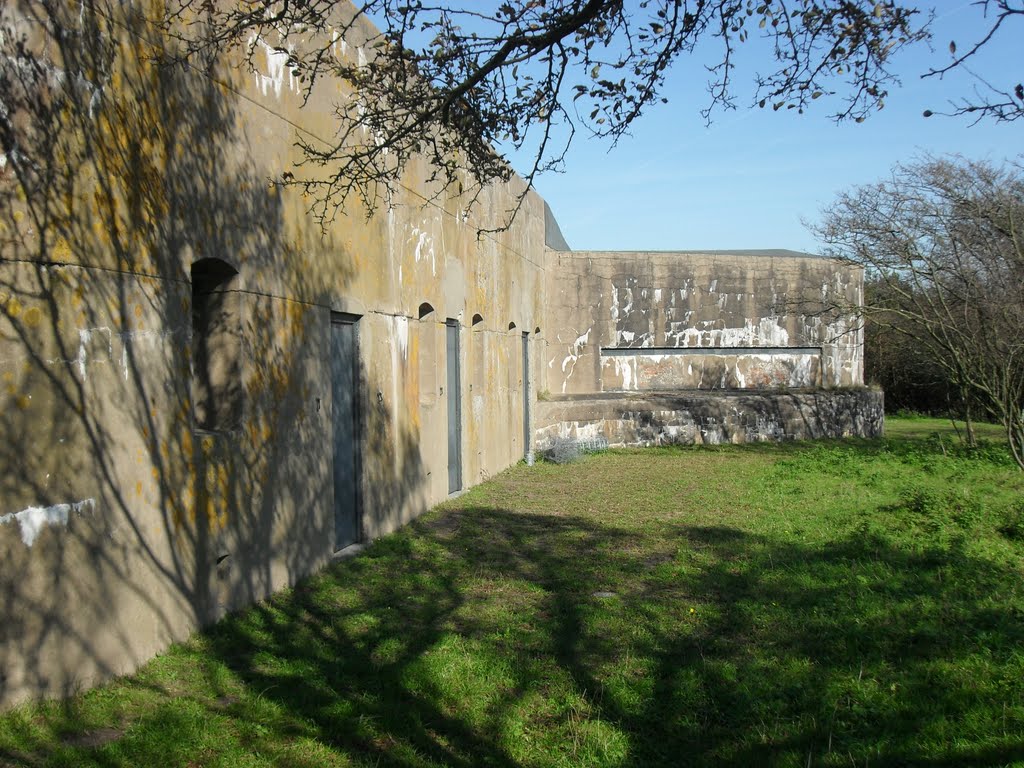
(750, 178)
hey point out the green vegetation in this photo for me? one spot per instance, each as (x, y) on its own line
(943, 299)
(835, 603)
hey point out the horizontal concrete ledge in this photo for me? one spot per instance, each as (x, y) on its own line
(759, 253)
(662, 396)
(702, 417)
(633, 351)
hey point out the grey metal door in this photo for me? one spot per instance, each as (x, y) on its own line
(344, 415)
(526, 394)
(454, 408)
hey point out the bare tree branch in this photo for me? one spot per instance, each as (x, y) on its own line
(463, 84)
(941, 243)
(988, 101)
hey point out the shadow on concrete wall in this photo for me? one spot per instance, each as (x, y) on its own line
(120, 169)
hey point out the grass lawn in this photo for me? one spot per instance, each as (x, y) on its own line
(855, 603)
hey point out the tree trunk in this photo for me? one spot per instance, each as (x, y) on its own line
(972, 439)
(1015, 434)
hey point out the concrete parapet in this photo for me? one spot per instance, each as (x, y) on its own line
(710, 418)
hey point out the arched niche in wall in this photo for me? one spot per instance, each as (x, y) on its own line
(536, 330)
(477, 319)
(428, 357)
(512, 326)
(217, 394)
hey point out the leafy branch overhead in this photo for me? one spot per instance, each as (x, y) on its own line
(463, 84)
(999, 100)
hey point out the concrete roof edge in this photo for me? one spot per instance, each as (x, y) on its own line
(752, 252)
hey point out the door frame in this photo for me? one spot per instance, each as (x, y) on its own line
(346, 318)
(526, 394)
(452, 327)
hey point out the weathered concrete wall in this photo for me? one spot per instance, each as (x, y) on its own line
(125, 523)
(122, 525)
(690, 313)
(729, 368)
(710, 418)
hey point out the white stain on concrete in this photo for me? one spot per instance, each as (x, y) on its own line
(589, 431)
(338, 45)
(398, 344)
(771, 332)
(424, 247)
(766, 332)
(34, 519)
(94, 102)
(361, 113)
(625, 370)
(96, 345)
(712, 434)
(742, 370)
(741, 380)
(392, 228)
(92, 350)
(628, 374)
(628, 306)
(575, 350)
(88, 345)
(572, 430)
(401, 335)
(278, 69)
(83, 353)
(144, 339)
(58, 78)
(843, 340)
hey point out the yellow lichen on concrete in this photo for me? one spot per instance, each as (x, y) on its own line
(168, 167)
(33, 317)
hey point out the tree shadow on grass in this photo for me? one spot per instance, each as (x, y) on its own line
(861, 651)
(487, 636)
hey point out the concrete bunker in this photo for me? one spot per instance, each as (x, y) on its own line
(693, 347)
(341, 393)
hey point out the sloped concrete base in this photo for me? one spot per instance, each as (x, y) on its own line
(710, 418)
